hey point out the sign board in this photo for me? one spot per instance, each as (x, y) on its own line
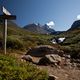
(6, 16)
(5, 11)
(9, 17)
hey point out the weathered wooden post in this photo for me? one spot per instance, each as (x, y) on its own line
(6, 16)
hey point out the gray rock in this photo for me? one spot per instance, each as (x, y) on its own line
(50, 59)
(27, 58)
(44, 55)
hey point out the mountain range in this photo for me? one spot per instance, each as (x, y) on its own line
(41, 29)
(45, 29)
(37, 28)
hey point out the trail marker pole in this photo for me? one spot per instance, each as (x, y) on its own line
(5, 36)
(6, 16)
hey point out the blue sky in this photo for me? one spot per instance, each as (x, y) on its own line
(62, 12)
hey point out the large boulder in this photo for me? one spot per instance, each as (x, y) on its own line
(43, 50)
(50, 59)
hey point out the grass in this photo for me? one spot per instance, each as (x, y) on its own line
(13, 69)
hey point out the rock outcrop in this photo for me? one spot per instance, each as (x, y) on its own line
(50, 59)
(44, 55)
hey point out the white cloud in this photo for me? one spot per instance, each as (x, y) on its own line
(78, 17)
(51, 24)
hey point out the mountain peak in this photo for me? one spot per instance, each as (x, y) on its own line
(37, 28)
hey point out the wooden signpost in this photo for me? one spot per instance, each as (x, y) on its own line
(6, 16)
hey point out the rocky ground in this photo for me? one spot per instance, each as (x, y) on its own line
(63, 73)
(53, 60)
(60, 73)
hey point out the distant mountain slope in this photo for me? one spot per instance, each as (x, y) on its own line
(75, 25)
(72, 41)
(73, 31)
(39, 29)
(72, 36)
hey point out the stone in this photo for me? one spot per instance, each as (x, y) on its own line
(50, 59)
(52, 77)
(44, 55)
(27, 58)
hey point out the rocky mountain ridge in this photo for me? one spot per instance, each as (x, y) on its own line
(37, 28)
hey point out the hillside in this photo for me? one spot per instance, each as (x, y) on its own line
(71, 45)
(75, 25)
(73, 34)
(28, 39)
(24, 39)
(21, 38)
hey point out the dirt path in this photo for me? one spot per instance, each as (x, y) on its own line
(63, 74)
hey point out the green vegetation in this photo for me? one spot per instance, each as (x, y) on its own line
(13, 69)
(14, 43)
(22, 39)
(72, 43)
